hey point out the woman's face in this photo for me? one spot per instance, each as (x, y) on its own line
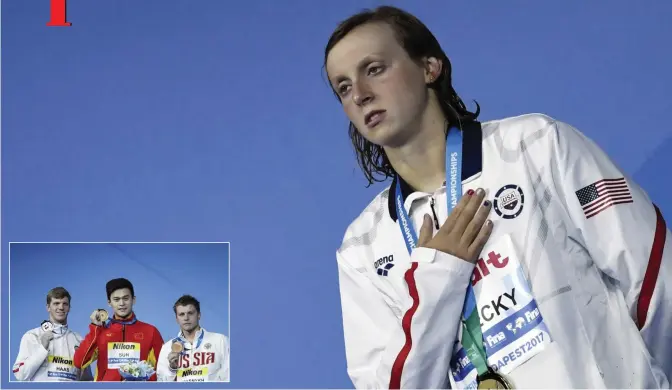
(383, 91)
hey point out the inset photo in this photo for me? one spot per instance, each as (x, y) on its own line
(114, 312)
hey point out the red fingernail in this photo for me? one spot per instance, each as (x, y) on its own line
(470, 192)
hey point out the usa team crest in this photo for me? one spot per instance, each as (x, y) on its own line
(509, 201)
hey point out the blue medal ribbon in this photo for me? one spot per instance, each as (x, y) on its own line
(182, 340)
(471, 335)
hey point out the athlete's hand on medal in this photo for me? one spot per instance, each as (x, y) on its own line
(45, 339)
(466, 230)
(172, 359)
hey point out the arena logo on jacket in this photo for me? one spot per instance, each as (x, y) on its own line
(509, 201)
(384, 264)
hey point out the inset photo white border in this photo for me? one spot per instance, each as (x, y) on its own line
(83, 268)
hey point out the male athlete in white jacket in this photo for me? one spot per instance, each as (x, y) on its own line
(46, 352)
(196, 355)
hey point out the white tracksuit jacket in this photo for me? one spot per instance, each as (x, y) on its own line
(594, 248)
(37, 364)
(206, 361)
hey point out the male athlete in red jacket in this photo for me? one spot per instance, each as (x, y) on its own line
(120, 340)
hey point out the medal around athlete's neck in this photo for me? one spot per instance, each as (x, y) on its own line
(493, 380)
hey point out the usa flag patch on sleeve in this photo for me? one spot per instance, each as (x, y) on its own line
(599, 196)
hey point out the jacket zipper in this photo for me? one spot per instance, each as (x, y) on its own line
(436, 220)
(123, 338)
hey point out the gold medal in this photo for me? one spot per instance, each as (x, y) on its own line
(493, 380)
(176, 347)
(102, 315)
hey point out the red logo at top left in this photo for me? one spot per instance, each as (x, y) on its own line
(58, 14)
